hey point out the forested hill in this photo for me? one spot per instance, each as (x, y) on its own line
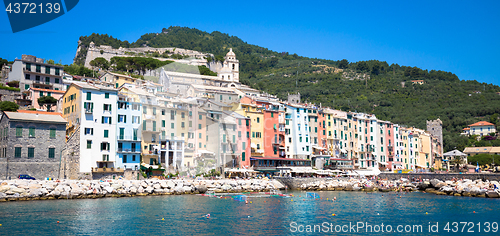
(342, 84)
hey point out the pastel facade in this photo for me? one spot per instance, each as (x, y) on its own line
(32, 72)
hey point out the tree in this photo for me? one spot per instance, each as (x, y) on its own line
(362, 66)
(494, 118)
(47, 101)
(50, 62)
(8, 106)
(100, 63)
(343, 64)
(13, 84)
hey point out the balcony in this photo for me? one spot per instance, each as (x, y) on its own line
(89, 110)
(128, 138)
(107, 170)
(128, 150)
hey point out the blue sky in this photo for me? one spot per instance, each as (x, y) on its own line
(457, 36)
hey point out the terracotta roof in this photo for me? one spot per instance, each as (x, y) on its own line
(48, 90)
(36, 116)
(481, 123)
(39, 112)
(466, 129)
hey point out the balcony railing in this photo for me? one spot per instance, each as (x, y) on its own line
(128, 138)
(106, 170)
(130, 150)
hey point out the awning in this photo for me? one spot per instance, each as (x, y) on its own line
(253, 145)
(282, 147)
(383, 163)
(204, 152)
(319, 148)
(421, 166)
(343, 151)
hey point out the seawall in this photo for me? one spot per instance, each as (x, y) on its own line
(442, 177)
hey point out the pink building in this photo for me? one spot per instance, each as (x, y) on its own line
(36, 93)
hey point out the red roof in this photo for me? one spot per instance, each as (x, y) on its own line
(466, 128)
(40, 112)
(48, 90)
(482, 123)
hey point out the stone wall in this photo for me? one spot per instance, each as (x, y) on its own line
(295, 183)
(70, 169)
(442, 177)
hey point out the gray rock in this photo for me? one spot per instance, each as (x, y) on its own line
(149, 189)
(157, 186)
(434, 182)
(201, 188)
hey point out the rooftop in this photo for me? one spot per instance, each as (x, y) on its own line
(482, 123)
(36, 116)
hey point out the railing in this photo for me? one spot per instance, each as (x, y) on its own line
(128, 150)
(129, 138)
(106, 170)
(89, 111)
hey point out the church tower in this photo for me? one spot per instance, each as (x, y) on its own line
(230, 68)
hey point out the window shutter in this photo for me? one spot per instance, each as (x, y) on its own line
(109, 107)
(102, 120)
(85, 105)
(109, 120)
(92, 131)
(103, 107)
(125, 119)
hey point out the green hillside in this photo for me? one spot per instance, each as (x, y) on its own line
(456, 102)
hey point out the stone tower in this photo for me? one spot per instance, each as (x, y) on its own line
(435, 128)
(294, 98)
(230, 70)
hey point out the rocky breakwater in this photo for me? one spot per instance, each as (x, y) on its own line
(354, 184)
(463, 187)
(12, 190)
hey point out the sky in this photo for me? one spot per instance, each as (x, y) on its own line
(461, 37)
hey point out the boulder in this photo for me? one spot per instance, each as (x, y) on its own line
(18, 190)
(5, 188)
(492, 194)
(434, 182)
(157, 186)
(201, 188)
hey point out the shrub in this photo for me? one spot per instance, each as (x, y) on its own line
(14, 84)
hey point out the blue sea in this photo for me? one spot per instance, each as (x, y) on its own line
(352, 213)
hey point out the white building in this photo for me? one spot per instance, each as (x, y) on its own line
(34, 72)
(297, 138)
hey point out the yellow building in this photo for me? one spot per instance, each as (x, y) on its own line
(117, 80)
(250, 109)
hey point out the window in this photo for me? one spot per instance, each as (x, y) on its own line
(31, 152)
(89, 144)
(38, 68)
(31, 132)
(47, 80)
(106, 107)
(144, 109)
(124, 158)
(172, 115)
(199, 126)
(200, 117)
(17, 152)
(52, 152)
(154, 111)
(37, 78)
(57, 71)
(239, 134)
(172, 125)
(258, 120)
(182, 115)
(56, 80)
(19, 131)
(136, 120)
(26, 86)
(106, 133)
(106, 95)
(28, 66)
(154, 125)
(163, 123)
(52, 133)
(122, 119)
(41, 94)
(89, 95)
(106, 120)
(105, 146)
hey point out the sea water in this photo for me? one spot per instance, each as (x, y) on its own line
(187, 215)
